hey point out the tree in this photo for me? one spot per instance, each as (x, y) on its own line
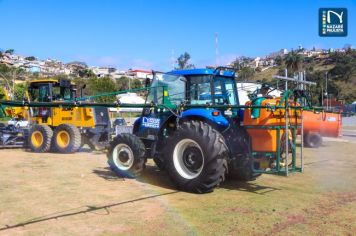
(122, 83)
(86, 73)
(278, 60)
(246, 73)
(102, 85)
(20, 91)
(183, 62)
(30, 58)
(10, 75)
(136, 83)
(10, 51)
(345, 66)
(294, 61)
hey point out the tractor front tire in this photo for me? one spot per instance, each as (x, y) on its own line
(126, 155)
(40, 138)
(66, 139)
(313, 140)
(195, 157)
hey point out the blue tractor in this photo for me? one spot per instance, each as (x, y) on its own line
(192, 131)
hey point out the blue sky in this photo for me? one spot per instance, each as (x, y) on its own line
(146, 33)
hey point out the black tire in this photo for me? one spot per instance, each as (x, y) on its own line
(40, 138)
(126, 155)
(70, 134)
(242, 170)
(240, 167)
(159, 163)
(195, 157)
(313, 140)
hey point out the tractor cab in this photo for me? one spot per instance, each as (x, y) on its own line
(185, 92)
(51, 90)
(210, 87)
(195, 87)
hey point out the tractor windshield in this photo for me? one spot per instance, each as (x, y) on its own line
(167, 89)
(200, 90)
(224, 91)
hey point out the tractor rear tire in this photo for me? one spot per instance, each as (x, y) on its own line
(40, 138)
(66, 139)
(313, 140)
(242, 170)
(195, 157)
(126, 155)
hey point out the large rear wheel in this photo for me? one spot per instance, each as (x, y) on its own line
(40, 138)
(67, 139)
(195, 156)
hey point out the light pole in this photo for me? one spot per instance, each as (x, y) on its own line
(326, 90)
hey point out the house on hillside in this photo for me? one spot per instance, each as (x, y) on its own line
(73, 68)
(101, 72)
(140, 74)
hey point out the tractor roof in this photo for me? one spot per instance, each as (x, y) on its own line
(207, 71)
(44, 81)
(51, 81)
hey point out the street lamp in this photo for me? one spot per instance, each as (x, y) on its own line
(326, 90)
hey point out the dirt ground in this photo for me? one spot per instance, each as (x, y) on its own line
(54, 194)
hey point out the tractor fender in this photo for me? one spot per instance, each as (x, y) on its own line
(136, 125)
(206, 114)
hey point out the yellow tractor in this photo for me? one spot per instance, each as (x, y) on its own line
(63, 129)
(18, 113)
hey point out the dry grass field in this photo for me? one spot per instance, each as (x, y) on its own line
(54, 194)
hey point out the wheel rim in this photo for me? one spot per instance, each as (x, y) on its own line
(188, 158)
(63, 139)
(123, 156)
(37, 139)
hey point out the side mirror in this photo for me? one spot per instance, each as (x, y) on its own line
(183, 79)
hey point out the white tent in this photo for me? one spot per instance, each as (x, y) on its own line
(246, 88)
(130, 98)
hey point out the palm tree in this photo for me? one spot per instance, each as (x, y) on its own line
(294, 61)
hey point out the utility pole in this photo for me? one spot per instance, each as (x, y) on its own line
(326, 90)
(216, 50)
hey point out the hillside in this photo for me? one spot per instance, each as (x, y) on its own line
(340, 68)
